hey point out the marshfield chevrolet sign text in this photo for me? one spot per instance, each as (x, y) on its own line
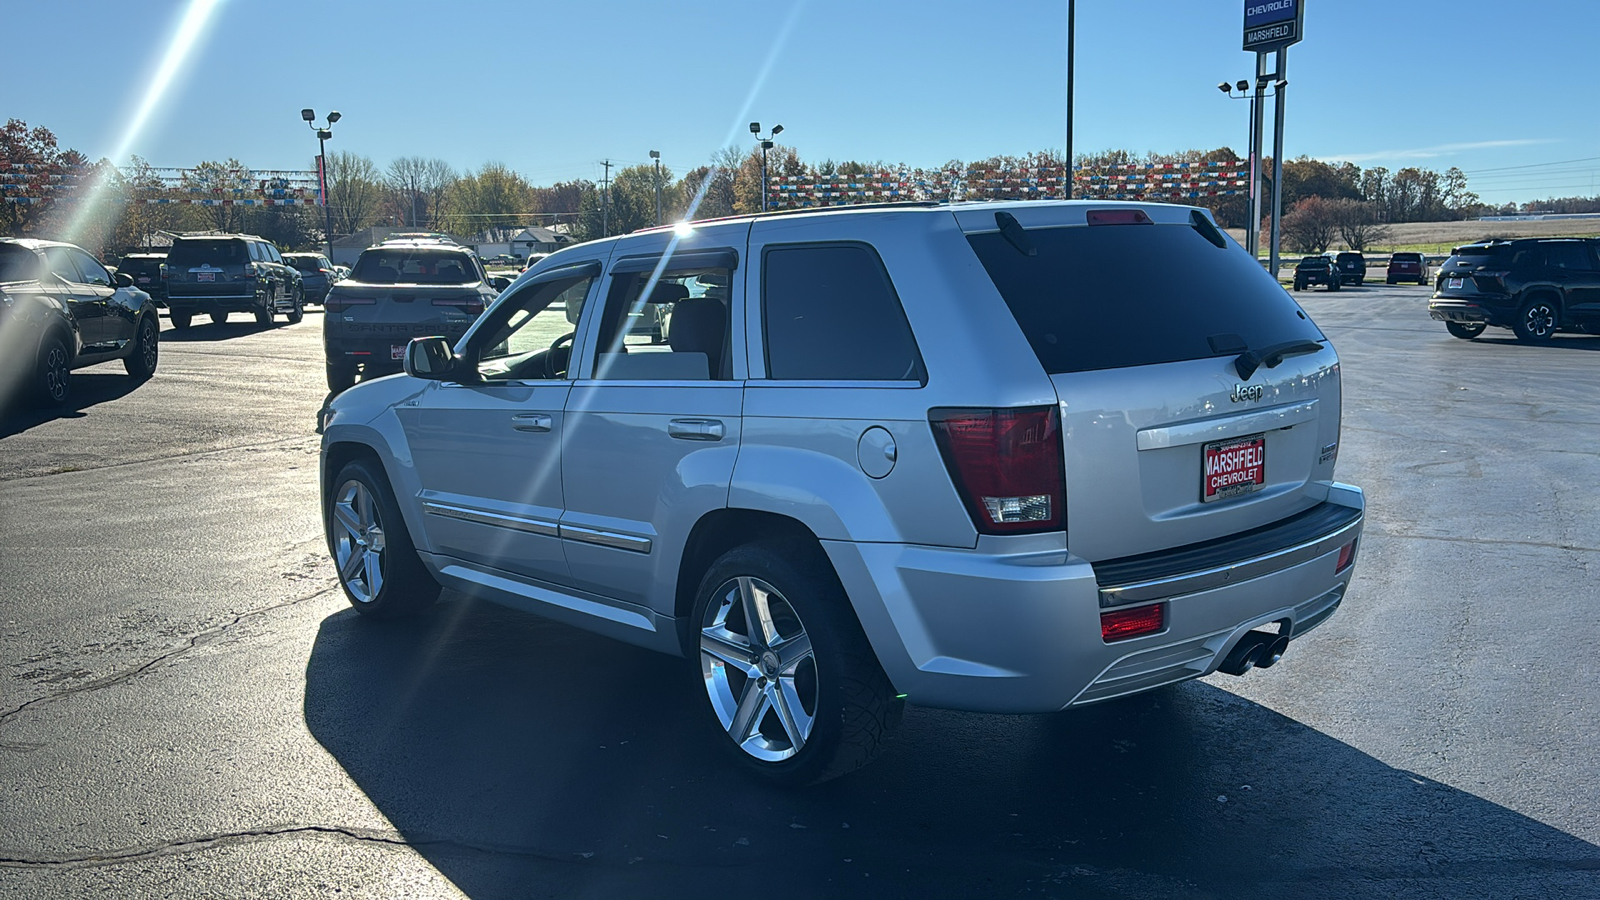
(1270, 24)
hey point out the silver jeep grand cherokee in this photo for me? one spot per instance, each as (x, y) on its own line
(972, 456)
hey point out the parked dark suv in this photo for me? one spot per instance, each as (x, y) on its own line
(1315, 270)
(1535, 287)
(398, 290)
(222, 273)
(1352, 268)
(145, 270)
(1407, 266)
(316, 274)
(61, 310)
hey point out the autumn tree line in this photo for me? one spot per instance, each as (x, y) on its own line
(1324, 203)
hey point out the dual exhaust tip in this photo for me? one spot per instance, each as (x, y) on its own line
(1256, 650)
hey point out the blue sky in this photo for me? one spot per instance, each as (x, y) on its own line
(550, 89)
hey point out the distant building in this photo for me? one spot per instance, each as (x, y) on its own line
(521, 242)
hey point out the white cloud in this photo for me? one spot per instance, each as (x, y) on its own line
(1436, 151)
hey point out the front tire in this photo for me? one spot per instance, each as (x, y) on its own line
(341, 377)
(377, 563)
(798, 694)
(1536, 321)
(1465, 330)
(141, 363)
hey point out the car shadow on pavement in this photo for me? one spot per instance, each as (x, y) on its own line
(89, 389)
(206, 330)
(521, 758)
(1559, 342)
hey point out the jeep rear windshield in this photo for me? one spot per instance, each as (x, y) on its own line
(1110, 296)
(214, 252)
(413, 266)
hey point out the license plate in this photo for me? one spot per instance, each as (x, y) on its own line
(205, 276)
(1234, 467)
(144, 279)
(397, 351)
(1455, 282)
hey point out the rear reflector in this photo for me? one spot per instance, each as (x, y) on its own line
(1118, 217)
(1007, 466)
(1347, 555)
(1121, 624)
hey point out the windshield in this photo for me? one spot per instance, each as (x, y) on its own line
(143, 265)
(381, 265)
(18, 263)
(193, 252)
(1083, 304)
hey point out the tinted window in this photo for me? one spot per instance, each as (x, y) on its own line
(830, 313)
(92, 271)
(381, 265)
(143, 265)
(18, 263)
(61, 264)
(1569, 256)
(1089, 300)
(215, 252)
(1406, 257)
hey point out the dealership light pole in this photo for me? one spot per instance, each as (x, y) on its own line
(656, 155)
(1270, 29)
(1257, 98)
(766, 144)
(324, 132)
(1071, 51)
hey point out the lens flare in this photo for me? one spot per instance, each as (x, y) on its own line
(194, 21)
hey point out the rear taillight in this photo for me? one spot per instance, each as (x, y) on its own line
(1347, 556)
(472, 305)
(1122, 624)
(336, 303)
(1007, 466)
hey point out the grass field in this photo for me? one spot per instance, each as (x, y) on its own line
(1437, 238)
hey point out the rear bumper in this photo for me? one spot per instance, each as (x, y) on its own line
(1020, 633)
(1464, 311)
(213, 301)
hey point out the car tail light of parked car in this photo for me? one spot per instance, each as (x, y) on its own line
(340, 304)
(1122, 624)
(1007, 465)
(473, 305)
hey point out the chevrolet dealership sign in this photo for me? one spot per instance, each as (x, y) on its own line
(1273, 24)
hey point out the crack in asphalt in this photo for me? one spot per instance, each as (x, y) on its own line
(195, 642)
(1489, 542)
(200, 843)
(311, 438)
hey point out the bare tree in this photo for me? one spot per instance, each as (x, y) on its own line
(1357, 223)
(1309, 227)
(417, 187)
(354, 191)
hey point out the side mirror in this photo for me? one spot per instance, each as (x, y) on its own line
(429, 358)
(499, 282)
(123, 279)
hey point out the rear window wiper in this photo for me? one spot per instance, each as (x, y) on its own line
(1012, 231)
(1251, 360)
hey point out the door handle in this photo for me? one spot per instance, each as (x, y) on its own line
(536, 422)
(695, 429)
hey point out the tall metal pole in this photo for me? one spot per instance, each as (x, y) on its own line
(1257, 111)
(658, 190)
(1071, 53)
(764, 175)
(327, 208)
(605, 201)
(1277, 154)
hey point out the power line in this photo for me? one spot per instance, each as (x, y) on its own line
(1561, 162)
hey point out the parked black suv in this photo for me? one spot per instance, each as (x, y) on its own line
(1352, 268)
(223, 273)
(1534, 286)
(145, 270)
(1315, 270)
(398, 290)
(61, 310)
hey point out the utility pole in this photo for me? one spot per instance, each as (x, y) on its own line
(1071, 52)
(605, 201)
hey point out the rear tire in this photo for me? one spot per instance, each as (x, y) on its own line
(1465, 330)
(377, 563)
(264, 314)
(803, 699)
(219, 318)
(181, 320)
(141, 363)
(52, 373)
(341, 376)
(1536, 321)
(298, 311)
(1333, 285)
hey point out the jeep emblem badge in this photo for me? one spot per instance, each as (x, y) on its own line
(1251, 392)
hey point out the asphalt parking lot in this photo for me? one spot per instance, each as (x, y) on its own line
(188, 707)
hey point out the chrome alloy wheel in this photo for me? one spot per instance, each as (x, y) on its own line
(358, 542)
(759, 668)
(149, 346)
(57, 372)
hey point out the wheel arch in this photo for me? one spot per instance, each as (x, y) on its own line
(719, 531)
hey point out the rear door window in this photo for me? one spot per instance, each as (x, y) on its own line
(1110, 296)
(830, 313)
